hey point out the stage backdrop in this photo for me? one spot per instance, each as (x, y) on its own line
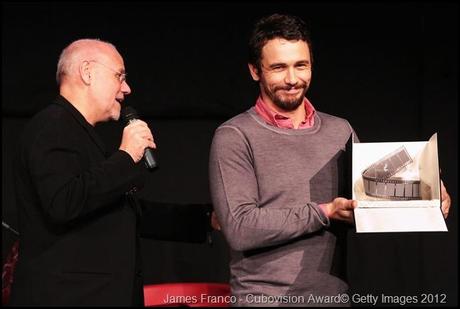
(390, 69)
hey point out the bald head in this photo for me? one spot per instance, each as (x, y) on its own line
(79, 51)
(91, 76)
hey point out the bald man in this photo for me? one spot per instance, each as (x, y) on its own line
(77, 214)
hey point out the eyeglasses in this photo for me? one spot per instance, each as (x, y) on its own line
(120, 76)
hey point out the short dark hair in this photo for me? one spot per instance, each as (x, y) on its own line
(267, 28)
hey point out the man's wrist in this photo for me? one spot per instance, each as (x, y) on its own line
(325, 209)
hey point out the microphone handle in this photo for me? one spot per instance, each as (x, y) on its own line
(149, 159)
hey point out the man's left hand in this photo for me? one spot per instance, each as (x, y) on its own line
(445, 198)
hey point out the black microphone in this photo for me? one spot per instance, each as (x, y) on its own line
(129, 114)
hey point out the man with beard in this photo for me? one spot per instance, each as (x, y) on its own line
(276, 176)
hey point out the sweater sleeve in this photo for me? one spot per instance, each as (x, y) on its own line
(245, 222)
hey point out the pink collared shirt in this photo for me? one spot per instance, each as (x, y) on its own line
(280, 121)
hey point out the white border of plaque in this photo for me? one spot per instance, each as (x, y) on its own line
(397, 187)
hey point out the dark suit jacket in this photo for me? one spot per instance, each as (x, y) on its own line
(78, 225)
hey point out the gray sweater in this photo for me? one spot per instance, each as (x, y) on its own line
(266, 184)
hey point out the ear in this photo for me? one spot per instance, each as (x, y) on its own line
(254, 72)
(85, 72)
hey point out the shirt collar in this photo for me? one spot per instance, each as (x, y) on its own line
(276, 119)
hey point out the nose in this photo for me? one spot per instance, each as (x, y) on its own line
(291, 77)
(125, 88)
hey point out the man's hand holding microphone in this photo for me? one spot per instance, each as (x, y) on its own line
(137, 139)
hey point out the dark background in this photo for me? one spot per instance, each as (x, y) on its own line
(391, 69)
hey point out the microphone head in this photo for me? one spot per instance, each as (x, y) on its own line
(128, 113)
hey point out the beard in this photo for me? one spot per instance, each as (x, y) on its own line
(283, 102)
